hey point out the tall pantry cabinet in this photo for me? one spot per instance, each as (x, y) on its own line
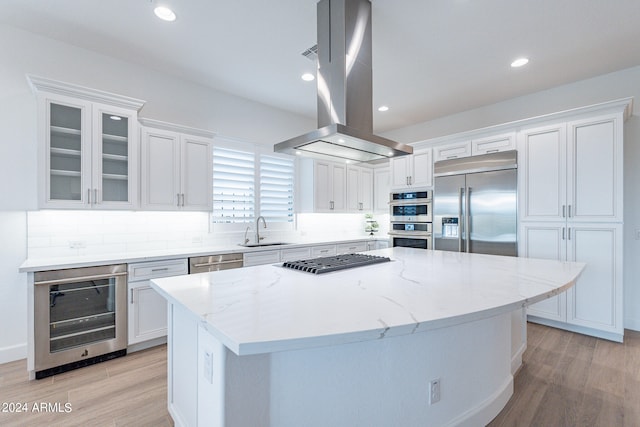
(571, 208)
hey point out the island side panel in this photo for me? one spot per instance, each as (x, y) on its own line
(375, 383)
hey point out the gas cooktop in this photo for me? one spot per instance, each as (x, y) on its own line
(334, 263)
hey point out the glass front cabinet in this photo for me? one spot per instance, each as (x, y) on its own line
(87, 151)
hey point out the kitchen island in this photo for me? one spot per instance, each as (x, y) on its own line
(425, 339)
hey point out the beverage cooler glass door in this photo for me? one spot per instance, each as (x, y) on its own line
(79, 316)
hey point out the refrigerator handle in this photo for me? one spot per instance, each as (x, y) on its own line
(467, 224)
(461, 226)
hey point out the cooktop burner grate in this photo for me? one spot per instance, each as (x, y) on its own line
(334, 263)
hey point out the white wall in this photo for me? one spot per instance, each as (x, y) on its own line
(621, 84)
(168, 98)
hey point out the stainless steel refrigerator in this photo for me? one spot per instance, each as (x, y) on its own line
(475, 204)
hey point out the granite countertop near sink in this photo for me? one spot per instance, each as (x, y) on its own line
(76, 261)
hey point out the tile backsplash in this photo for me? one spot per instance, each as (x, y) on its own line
(63, 233)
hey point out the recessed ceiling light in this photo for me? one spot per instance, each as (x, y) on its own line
(383, 108)
(164, 13)
(115, 117)
(519, 62)
(307, 77)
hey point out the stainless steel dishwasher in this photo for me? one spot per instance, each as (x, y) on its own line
(203, 264)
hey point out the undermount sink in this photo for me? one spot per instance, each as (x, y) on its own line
(257, 245)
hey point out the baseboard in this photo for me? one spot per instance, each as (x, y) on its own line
(632, 323)
(486, 411)
(147, 344)
(13, 353)
(516, 359)
(577, 329)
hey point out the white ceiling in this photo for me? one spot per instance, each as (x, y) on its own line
(431, 58)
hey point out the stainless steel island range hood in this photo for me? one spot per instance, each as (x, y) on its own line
(345, 101)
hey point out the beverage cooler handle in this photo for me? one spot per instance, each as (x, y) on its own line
(460, 225)
(467, 225)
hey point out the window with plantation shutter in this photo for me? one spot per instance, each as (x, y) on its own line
(234, 183)
(276, 188)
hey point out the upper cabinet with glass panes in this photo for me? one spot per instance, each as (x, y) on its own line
(88, 145)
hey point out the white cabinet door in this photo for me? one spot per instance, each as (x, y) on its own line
(160, 169)
(147, 313)
(596, 299)
(422, 170)
(545, 240)
(196, 171)
(350, 248)
(493, 144)
(542, 178)
(322, 188)
(338, 188)
(177, 171)
(323, 250)
(595, 169)
(400, 171)
(260, 258)
(382, 188)
(415, 170)
(452, 151)
(294, 254)
(359, 189)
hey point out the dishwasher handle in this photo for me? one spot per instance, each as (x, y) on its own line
(209, 264)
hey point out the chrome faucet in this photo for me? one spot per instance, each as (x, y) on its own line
(258, 238)
(246, 240)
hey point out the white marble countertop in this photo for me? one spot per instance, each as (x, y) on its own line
(268, 308)
(76, 261)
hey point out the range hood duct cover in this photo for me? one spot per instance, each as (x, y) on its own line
(345, 100)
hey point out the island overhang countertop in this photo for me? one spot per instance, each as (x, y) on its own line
(268, 308)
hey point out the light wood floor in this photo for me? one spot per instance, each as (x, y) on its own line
(128, 391)
(575, 380)
(566, 380)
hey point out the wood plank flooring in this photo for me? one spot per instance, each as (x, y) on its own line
(566, 380)
(570, 380)
(128, 391)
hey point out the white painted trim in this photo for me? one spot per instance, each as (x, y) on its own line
(13, 353)
(577, 329)
(625, 105)
(41, 84)
(485, 412)
(157, 124)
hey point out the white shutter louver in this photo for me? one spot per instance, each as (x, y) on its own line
(233, 186)
(276, 188)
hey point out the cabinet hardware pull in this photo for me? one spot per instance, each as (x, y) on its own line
(80, 279)
(563, 211)
(153, 270)
(493, 151)
(95, 196)
(331, 205)
(410, 180)
(452, 157)
(569, 233)
(131, 296)
(183, 200)
(178, 197)
(88, 196)
(562, 233)
(569, 215)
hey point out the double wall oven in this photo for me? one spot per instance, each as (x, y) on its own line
(411, 219)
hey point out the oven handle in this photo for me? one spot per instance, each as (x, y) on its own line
(79, 279)
(461, 223)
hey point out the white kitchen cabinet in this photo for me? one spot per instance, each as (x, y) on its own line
(359, 189)
(321, 186)
(350, 248)
(572, 171)
(294, 254)
(323, 250)
(381, 188)
(88, 146)
(454, 150)
(382, 244)
(594, 305)
(147, 313)
(261, 257)
(177, 167)
(493, 144)
(412, 171)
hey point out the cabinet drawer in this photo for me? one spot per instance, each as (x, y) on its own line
(349, 248)
(452, 151)
(259, 258)
(295, 254)
(494, 144)
(155, 269)
(325, 250)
